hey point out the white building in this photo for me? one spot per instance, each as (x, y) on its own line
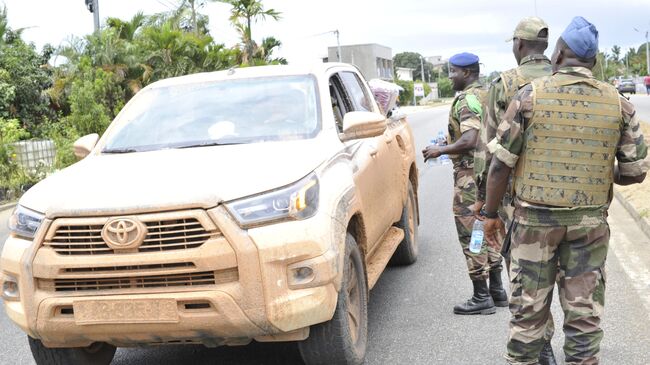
(404, 73)
(373, 60)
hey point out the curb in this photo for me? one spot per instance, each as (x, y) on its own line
(7, 206)
(640, 221)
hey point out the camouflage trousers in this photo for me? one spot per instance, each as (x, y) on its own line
(574, 257)
(506, 213)
(478, 264)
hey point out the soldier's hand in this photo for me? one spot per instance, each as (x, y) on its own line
(431, 152)
(493, 229)
(476, 209)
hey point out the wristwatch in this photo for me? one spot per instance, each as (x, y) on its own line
(484, 213)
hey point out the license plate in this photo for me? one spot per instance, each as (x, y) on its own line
(125, 311)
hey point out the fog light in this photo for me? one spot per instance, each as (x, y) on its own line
(10, 289)
(302, 275)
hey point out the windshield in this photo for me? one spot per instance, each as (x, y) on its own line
(223, 112)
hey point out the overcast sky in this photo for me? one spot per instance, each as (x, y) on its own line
(429, 27)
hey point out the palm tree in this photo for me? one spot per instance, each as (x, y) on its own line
(242, 15)
(616, 53)
(264, 52)
(4, 23)
(126, 29)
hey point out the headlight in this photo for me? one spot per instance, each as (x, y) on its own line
(24, 222)
(295, 202)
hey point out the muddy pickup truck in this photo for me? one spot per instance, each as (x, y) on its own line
(220, 208)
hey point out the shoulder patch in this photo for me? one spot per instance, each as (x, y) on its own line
(474, 104)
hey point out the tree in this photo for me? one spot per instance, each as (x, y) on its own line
(616, 53)
(126, 30)
(23, 79)
(413, 60)
(242, 15)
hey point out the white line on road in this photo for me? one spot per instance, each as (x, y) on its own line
(632, 249)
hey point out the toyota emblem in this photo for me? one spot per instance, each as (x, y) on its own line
(124, 233)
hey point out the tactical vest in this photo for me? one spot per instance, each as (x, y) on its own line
(515, 78)
(466, 159)
(570, 143)
(512, 80)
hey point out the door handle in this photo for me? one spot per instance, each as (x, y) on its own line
(388, 137)
(373, 150)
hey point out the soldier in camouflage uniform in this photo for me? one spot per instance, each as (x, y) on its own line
(529, 41)
(464, 122)
(569, 137)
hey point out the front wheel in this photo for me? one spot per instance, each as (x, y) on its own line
(407, 251)
(96, 354)
(343, 339)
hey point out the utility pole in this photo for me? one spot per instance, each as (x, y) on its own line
(422, 67)
(194, 25)
(647, 54)
(647, 51)
(338, 45)
(96, 14)
(93, 7)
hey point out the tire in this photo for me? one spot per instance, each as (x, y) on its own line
(407, 251)
(342, 340)
(98, 353)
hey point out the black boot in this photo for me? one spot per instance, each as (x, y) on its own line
(546, 357)
(480, 303)
(496, 289)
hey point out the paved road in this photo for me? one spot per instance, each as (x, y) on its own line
(410, 309)
(642, 105)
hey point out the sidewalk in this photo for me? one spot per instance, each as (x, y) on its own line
(636, 198)
(6, 206)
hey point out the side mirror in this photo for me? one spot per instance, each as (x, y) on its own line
(358, 125)
(84, 145)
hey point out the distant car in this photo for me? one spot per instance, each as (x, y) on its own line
(626, 86)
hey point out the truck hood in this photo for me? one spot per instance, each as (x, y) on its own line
(172, 179)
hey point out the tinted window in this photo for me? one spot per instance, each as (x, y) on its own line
(357, 94)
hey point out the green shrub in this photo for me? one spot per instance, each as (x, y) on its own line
(406, 96)
(12, 175)
(64, 134)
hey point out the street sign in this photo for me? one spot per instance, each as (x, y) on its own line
(418, 89)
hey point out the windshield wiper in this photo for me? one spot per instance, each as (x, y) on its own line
(208, 144)
(120, 150)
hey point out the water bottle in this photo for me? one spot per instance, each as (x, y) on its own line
(476, 241)
(433, 161)
(442, 140)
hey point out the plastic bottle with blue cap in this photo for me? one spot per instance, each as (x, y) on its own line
(440, 140)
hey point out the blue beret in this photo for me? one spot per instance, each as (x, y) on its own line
(582, 37)
(463, 59)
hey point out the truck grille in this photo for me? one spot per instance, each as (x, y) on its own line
(158, 281)
(163, 235)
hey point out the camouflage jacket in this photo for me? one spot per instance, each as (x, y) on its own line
(631, 154)
(466, 114)
(502, 89)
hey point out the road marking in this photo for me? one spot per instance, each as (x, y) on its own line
(632, 249)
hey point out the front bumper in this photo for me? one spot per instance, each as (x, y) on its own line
(238, 285)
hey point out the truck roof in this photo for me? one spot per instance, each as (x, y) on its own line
(250, 72)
